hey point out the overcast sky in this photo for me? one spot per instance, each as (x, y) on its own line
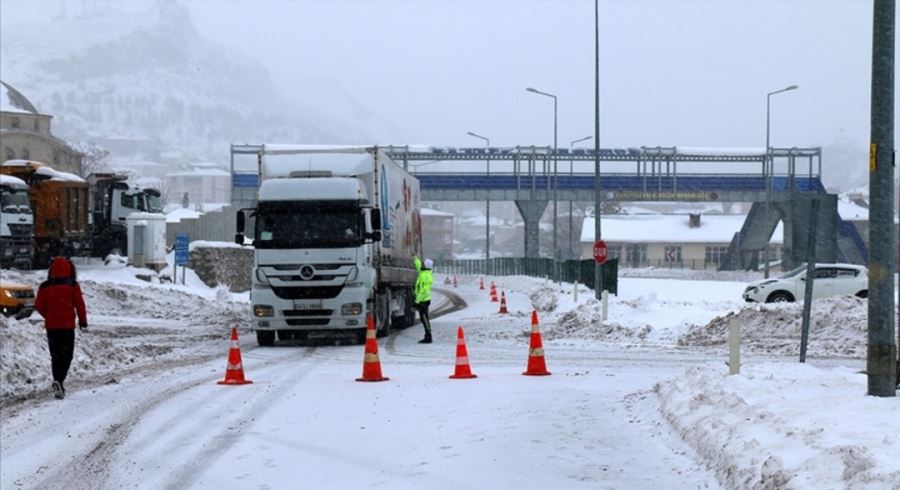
(672, 72)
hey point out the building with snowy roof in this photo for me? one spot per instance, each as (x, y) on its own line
(691, 241)
(25, 134)
(200, 186)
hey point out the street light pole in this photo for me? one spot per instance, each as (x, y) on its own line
(598, 284)
(571, 224)
(769, 172)
(487, 206)
(555, 183)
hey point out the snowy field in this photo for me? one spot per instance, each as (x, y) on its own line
(641, 400)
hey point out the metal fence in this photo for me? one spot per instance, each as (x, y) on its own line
(566, 271)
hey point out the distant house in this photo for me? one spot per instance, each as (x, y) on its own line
(201, 186)
(25, 135)
(437, 234)
(669, 240)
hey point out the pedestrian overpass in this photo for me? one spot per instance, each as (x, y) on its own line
(534, 176)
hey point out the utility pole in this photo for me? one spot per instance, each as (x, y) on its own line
(881, 363)
(598, 279)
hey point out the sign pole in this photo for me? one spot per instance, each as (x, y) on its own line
(182, 240)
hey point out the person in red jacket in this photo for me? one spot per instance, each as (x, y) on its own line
(58, 300)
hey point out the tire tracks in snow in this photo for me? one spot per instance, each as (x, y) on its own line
(96, 467)
(452, 303)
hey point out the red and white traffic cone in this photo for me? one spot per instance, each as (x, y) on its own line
(463, 370)
(371, 364)
(234, 372)
(536, 364)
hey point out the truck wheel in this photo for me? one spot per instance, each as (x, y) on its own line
(265, 338)
(409, 310)
(361, 335)
(384, 315)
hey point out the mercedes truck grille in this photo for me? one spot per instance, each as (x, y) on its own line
(299, 292)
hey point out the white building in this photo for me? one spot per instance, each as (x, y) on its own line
(668, 240)
(201, 186)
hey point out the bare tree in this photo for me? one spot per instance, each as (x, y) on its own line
(95, 157)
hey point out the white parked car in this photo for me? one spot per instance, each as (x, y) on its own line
(830, 280)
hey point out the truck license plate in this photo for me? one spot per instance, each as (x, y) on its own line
(307, 306)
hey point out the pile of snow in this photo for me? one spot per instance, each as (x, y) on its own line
(787, 426)
(838, 327)
(132, 323)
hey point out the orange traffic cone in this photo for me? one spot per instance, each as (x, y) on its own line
(371, 364)
(234, 372)
(503, 302)
(462, 358)
(481, 285)
(493, 294)
(536, 365)
(455, 284)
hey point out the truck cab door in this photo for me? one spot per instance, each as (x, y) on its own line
(122, 205)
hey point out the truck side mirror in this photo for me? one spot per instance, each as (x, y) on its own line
(375, 219)
(239, 225)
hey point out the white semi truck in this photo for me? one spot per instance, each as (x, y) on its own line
(334, 230)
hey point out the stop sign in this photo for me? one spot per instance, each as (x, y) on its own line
(600, 251)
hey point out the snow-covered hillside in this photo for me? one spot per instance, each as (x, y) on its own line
(151, 77)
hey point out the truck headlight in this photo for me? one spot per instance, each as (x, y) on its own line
(351, 309)
(263, 310)
(8, 252)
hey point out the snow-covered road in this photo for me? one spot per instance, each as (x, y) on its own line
(638, 401)
(306, 422)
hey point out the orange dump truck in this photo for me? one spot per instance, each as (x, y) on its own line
(60, 203)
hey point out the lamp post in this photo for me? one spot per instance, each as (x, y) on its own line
(597, 230)
(487, 207)
(555, 186)
(571, 224)
(769, 172)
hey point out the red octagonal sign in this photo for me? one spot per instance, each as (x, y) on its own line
(600, 251)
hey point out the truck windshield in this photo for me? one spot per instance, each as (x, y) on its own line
(15, 202)
(308, 224)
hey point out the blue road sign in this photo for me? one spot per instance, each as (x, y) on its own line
(181, 248)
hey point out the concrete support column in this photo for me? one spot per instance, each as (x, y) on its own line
(531, 212)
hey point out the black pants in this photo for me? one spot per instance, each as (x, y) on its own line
(61, 342)
(423, 314)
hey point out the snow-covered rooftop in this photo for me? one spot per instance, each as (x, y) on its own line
(663, 228)
(12, 101)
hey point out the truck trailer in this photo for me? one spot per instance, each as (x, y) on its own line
(334, 232)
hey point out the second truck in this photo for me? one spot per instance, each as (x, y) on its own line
(58, 213)
(334, 230)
